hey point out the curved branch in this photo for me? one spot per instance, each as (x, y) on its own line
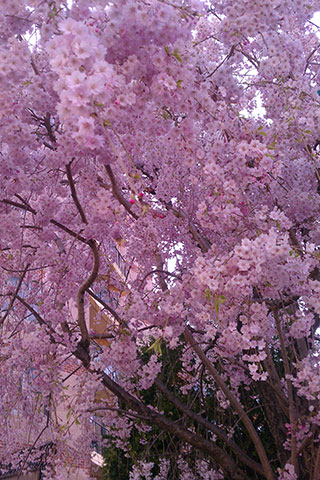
(83, 288)
(157, 270)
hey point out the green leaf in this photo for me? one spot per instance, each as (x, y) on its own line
(178, 82)
(176, 55)
(156, 347)
(216, 304)
(167, 49)
(207, 294)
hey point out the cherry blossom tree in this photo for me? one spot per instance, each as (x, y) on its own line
(134, 123)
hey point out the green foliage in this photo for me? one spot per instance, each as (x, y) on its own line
(154, 444)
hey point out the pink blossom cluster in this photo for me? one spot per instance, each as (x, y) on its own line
(160, 195)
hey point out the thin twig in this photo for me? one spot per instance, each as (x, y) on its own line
(34, 313)
(229, 55)
(32, 447)
(54, 222)
(157, 270)
(15, 294)
(72, 373)
(203, 242)
(106, 306)
(101, 336)
(71, 232)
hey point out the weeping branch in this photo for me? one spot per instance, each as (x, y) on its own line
(157, 270)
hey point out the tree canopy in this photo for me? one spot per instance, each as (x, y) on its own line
(160, 161)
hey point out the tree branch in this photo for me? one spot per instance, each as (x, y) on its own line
(71, 232)
(316, 474)
(153, 418)
(14, 295)
(209, 426)
(48, 126)
(200, 239)
(157, 270)
(74, 193)
(292, 412)
(106, 306)
(19, 205)
(117, 194)
(35, 314)
(234, 402)
(83, 288)
(54, 222)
